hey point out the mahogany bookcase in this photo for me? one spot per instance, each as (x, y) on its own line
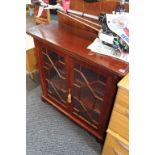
(79, 83)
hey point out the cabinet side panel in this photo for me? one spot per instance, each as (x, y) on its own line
(110, 93)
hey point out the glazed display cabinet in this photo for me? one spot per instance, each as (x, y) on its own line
(78, 83)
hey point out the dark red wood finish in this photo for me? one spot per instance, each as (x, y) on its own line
(71, 43)
(74, 41)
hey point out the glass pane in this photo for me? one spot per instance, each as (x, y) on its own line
(55, 76)
(88, 94)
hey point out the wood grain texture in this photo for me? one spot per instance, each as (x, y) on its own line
(77, 23)
(114, 147)
(31, 61)
(122, 98)
(45, 16)
(96, 8)
(92, 8)
(40, 66)
(118, 137)
(77, 5)
(124, 83)
(76, 42)
(118, 129)
(119, 124)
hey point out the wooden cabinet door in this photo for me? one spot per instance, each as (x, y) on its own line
(88, 93)
(93, 92)
(55, 73)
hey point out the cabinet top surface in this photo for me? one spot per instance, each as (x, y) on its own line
(75, 42)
